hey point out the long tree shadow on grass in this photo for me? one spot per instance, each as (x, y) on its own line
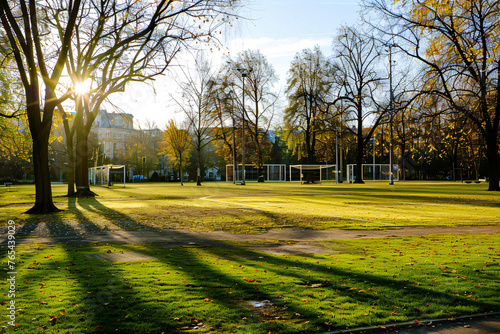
(439, 195)
(117, 218)
(126, 222)
(344, 283)
(108, 292)
(55, 226)
(228, 297)
(409, 290)
(218, 286)
(27, 228)
(113, 297)
(89, 299)
(261, 221)
(116, 285)
(209, 275)
(391, 199)
(98, 300)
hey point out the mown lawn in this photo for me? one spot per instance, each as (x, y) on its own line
(62, 288)
(214, 289)
(258, 207)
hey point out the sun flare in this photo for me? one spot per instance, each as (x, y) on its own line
(82, 87)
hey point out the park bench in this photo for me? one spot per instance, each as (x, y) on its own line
(8, 184)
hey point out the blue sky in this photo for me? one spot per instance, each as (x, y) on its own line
(279, 29)
(298, 19)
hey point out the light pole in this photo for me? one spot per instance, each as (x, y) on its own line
(337, 150)
(336, 155)
(229, 92)
(341, 147)
(244, 73)
(391, 108)
(373, 147)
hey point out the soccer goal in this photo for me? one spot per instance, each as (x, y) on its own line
(269, 172)
(313, 173)
(104, 176)
(372, 172)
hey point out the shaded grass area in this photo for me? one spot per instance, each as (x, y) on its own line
(211, 289)
(257, 207)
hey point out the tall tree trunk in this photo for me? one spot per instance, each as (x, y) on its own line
(43, 196)
(308, 142)
(359, 154)
(70, 155)
(180, 173)
(180, 168)
(71, 166)
(403, 145)
(40, 132)
(81, 166)
(492, 154)
(403, 152)
(198, 165)
(260, 157)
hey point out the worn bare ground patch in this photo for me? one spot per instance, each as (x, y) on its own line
(264, 311)
(121, 256)
(294, 249)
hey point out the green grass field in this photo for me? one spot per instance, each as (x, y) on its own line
(211, 289)
(214, 289)
(255, 208)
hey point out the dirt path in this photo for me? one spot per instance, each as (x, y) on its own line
(305, 241)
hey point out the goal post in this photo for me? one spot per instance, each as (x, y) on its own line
(105, 175)
(313, 173)
(269, 172)
(373, 172)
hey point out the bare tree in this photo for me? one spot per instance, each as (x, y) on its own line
(224, 107)
(457, 41)
(129, 41)
(11, 87)
(258, 89)
(20, 23)
(356, 59)
(197, 85)
(309, 86)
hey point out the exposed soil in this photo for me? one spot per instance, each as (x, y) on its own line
(305, 241)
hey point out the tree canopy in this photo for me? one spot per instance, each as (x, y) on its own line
(457, 41)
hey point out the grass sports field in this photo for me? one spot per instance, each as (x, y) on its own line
(233, 287)
(257, 207)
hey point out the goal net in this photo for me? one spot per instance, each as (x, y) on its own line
(269, 172)
(105, 176)
(373, 172)
(313, 173)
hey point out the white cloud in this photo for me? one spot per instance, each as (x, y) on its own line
(276, 48)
